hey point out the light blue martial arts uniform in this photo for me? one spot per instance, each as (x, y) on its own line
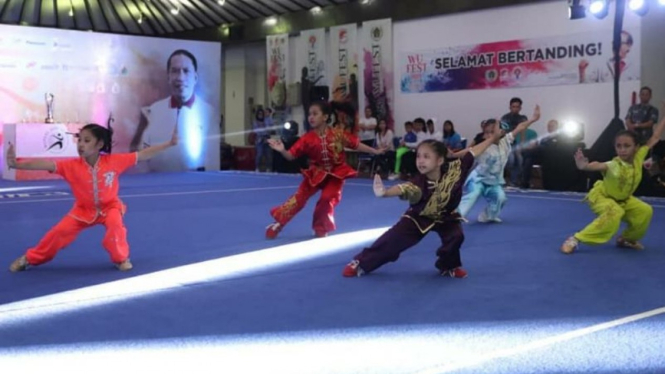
(487, 180)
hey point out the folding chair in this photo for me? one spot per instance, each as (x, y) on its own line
(365, 159)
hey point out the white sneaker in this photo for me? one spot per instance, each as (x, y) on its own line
(482, 218)
(570, 245)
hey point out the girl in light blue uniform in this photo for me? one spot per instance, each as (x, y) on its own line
(487, 178)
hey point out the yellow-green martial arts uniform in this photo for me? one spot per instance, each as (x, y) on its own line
(613, 201)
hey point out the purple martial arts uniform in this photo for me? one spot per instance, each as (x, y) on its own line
(433, 208)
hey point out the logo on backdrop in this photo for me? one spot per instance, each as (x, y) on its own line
(377, 33)
(56, 140)
(342, 36)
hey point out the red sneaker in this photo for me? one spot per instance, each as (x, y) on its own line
(455, 273)
(272, 230)
(353, 269)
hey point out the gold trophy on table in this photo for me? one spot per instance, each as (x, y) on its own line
(49, 107)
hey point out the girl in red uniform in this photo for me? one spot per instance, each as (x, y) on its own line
(324, 146)
(93, 178)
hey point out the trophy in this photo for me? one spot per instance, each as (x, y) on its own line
(49, 108)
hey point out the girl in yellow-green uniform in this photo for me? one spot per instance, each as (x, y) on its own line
(612, 197)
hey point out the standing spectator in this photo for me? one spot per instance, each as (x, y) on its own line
(643, 116)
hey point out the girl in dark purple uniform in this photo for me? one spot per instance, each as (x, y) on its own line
(433, 196)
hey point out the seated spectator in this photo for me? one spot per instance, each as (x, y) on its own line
(384, 139)
(431, 132)
(479, 136)
(409, 137)
(408, 165)
(451, 139)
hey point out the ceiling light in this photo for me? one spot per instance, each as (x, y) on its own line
(640, 7)
(599, 8)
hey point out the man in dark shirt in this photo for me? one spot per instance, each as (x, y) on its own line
(514, 118)
(516, 160)
(643, 116)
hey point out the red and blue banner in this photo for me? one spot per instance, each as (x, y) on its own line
(570, 59)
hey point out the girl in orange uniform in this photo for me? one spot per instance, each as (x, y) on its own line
(93, 178)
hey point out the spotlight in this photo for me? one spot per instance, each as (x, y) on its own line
(573, 130)
(599, 8)
(290, 131)
(640, 7)
(661, 2)
(575, 9)
(635, 4)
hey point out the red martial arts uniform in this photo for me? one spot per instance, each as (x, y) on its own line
(95, 191)
(327, 171)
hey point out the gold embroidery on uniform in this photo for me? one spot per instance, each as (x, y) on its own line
(410, 192)
(441, 195)
(623, 177)
(337, 145)
(286, 208)
(422, 230)
(606, 218)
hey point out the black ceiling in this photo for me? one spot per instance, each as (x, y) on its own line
(147, 17)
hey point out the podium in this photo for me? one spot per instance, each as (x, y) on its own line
(50, 141)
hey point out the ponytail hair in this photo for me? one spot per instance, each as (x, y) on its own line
(103, 134)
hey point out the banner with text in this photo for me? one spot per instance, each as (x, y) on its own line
(570, 59)
(313, 56)
(376, 42)
(344, 64)
(277, 48)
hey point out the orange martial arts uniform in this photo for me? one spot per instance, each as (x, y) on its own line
(327, 171)
(95, 191)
